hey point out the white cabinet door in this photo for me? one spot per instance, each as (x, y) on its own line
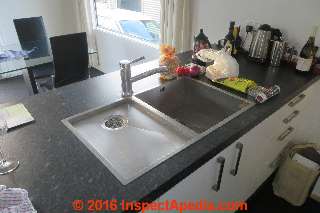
(242, 182)
(203, 184)
(260, 147)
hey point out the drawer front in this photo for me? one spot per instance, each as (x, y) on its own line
(306, 116)
(300, 101)
(278, 144)
(292, 117)
(266, 156)
(307, 97)
(307, 125)
(272, 126)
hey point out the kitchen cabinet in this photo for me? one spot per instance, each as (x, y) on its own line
(247, 164)
(250, 160)
(297, 121)
(307, 120)
(260, 149)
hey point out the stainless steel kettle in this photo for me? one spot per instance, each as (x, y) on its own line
(260, 45)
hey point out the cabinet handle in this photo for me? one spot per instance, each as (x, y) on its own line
(296, 100)
(291, 116)
(285, 133)
(221, 161)
(234, 171)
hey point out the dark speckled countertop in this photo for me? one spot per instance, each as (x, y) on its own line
(56, 168)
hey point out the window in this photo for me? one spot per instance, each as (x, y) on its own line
(134, 5)
(136, 18)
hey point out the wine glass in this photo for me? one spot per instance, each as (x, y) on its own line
(7, 165)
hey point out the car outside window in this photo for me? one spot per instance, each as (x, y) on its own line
(143, 29)
(134, 18)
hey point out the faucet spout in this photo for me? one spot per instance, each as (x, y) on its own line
(160, 69)
(127, 80)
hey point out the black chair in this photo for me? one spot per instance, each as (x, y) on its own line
(32, 35)
(70, 58)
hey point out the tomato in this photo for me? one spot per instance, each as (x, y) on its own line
(180, 71)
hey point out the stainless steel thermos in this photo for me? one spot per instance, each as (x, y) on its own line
(260, 45)
(267, 44)
(277, 51)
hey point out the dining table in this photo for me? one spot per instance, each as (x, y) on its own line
(15, 59)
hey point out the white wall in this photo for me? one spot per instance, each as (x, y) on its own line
(59, 16)
(294, 17)
(113, 47)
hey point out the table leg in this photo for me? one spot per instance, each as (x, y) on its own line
(30, 81)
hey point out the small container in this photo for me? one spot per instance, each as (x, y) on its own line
(260, 45)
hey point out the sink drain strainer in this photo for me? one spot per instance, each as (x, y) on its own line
(115, 122)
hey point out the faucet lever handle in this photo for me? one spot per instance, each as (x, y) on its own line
(126, 63)
(137, 60)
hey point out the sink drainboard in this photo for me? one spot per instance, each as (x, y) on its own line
(156, 125)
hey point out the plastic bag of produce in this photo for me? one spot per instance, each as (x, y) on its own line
(224, 66)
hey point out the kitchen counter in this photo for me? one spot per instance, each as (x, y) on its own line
(56, 168)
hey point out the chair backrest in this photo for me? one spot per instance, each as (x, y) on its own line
(70, 58)
(32, 34)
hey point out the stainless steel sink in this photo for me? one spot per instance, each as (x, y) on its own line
(129, 137)
(133, 135)
(194, 104)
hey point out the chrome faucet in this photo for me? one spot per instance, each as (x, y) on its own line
(127, 80)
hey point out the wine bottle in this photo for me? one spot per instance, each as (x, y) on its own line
(307, 53)
(237, 41)
(229, 39)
